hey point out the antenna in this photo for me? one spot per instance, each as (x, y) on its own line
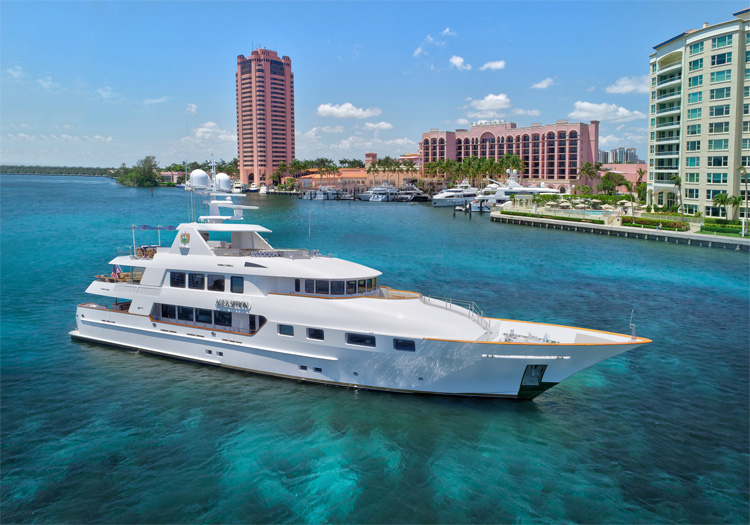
(632, 326)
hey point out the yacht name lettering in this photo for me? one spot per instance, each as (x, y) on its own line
(232, 304)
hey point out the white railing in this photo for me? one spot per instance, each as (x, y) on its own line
(466, 308)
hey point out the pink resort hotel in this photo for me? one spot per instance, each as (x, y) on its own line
(552, 153)
(265, 113)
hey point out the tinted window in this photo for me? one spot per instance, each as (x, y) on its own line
(285, 329)
(361, 286)
(203, 316)
(184, 313)
(404, 344)
(177, 279)
(223, 318)
(216, 283)
(360, 339)
(296, 285)
(351, 287)
(315, 333)
(168, 311)
(196, 281)
(321, 287)
(369, 284)
(337, 287)
(309, 286)
(238, 284)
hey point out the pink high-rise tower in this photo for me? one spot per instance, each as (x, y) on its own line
(265, 114)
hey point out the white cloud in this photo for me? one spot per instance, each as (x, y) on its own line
(15, 72)
(544, 84)
(47, 84)
(462, 122)
(529, 112)
(629, 85)
(357, 143)
(346, 110)
(107, 94)
(419, 51)
(378, 125)
(491, 102)
(315, 132)
(151, 101)
(603, 112)
(192, 109)
(458, 63)
(64, 137)
(447, 32)
(497, 64)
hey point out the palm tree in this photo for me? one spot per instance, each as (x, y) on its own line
(735, 201)
(722, 201)
(674, 178)
(514, 163)
(743, 170)
(588, 173)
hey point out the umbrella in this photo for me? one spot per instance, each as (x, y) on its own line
(580, 206)
(608, 207)
(595, 200)
(565, 204)
(623, 202)
(628, 204)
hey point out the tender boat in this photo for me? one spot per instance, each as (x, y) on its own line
(222, 295)
(253, 188)
(263, 189)
(460, 194)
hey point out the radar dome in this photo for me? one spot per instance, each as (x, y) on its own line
(223, 182)
(199, 179)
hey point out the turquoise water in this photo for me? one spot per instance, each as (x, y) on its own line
(95, 434)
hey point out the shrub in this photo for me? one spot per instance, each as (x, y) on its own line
(722, 228)
(672, 225)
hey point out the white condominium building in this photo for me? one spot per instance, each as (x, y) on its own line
(699, 126)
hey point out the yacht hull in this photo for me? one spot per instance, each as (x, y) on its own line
(436, 366)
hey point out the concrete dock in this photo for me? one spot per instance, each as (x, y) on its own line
(689, 238)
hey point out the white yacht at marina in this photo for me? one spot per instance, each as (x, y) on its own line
(222, 295)
(383, 192)
(457, 195)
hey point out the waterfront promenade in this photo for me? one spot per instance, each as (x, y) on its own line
(690, 237)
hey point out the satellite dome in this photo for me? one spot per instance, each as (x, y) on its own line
(223, 182)
(199, 179)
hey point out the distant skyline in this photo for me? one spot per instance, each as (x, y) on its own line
(102, 83)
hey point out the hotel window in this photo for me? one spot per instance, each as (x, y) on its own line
(720, 93)
(721, 41)
(746, 126)
(692, 193)
(718, 144)
(693, 145)
(695, 81)
(721, 76)
(719, 111)
(718, 127)
(745, 161)
(285, 329)
(718, 161)
(745, 143)
(223, 318)
(695, 97)
(695, 64)
(716, 178)
(360, 339)
(692, 177)
(746, 109)
(694, 129)
(710, 194)
(216, 283)
(690, 209)
(185, 313)
(696, 48)
(237, 284)
(196, 281)
(721, 59)
(692, 162)
(177, 279)
(653, 67)
(694, 113)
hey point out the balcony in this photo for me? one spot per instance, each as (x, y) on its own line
(667, 111)
(670, 80)
(668, 124)
(669, 95)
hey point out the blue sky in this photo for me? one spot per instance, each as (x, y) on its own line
(102, 83)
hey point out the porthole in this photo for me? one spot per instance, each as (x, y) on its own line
(355, 374)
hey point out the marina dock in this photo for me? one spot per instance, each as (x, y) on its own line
(648, 234)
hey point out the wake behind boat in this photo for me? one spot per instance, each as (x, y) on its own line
(241, 303)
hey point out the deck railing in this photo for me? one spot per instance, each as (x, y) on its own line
(466, 308)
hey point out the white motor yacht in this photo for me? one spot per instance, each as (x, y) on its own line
(253, 188)
(385, 191)
(222, 295)
(411, 193)
(460, 194)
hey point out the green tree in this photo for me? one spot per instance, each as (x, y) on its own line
(735, 201)
(587, 175)
(722, 201)
(677, 181)
(143, 174)
(611, 181)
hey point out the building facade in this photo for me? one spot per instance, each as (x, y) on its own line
(699, 127)
(265, 114)
(552, 153)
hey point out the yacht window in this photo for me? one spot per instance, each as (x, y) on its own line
(309, 286)
(184, 313)
(351, 287)
(256, 321)
(296, 285)
(404, 344)
(223, 318)
(360, 339)
(361, 286)
(168, 311)
(315, 333)
(216, 283)
(369, 285)
(337, 287)
(177, 279)
(286, 329)
(196, 281)
(237, 284)
(203, 316)
(321, 287)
